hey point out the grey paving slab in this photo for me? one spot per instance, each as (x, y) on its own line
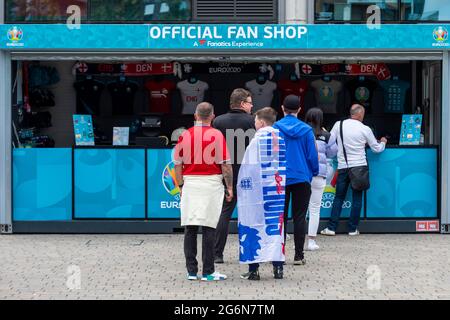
(152, 267)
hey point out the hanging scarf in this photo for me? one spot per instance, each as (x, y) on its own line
(261, 198)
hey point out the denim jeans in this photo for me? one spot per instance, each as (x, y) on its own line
(343, 181)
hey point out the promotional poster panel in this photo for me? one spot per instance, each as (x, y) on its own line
(83, 129)
(403, 184)
(109, 183)
(42, 184)
(163, 192)
(410, 131)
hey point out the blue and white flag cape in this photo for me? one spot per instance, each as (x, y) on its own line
(261, 198)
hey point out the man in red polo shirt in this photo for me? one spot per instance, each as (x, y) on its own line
(202, 162)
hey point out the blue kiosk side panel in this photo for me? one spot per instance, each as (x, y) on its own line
(42, 184)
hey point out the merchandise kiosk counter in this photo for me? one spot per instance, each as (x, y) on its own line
(138, 184)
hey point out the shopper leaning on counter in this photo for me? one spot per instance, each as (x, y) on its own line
(352, 137)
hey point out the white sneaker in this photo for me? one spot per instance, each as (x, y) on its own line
(327, 232)
(354, 233)
(312, 246)
(192, 277)
(216, 276)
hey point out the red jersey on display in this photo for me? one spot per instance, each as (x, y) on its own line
(202, 150)
(160, 95)
(297, 88)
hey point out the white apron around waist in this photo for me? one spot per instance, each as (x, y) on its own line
(202, 200)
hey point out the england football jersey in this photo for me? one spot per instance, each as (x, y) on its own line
(191, 94)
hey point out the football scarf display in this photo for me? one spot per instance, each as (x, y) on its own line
(126, 69)
(380, 70)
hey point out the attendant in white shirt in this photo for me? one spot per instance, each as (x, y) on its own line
(356, 137)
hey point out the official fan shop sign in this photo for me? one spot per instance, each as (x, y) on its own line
(226, 36)
(223, 37)
(207, 37)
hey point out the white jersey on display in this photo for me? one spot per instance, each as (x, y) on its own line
(191, 94)
(262, 94)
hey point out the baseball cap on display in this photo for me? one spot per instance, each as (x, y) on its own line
(292, 102)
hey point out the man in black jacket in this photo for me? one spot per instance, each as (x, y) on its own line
(238, 127)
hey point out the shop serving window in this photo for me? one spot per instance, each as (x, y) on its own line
(98, 11)
(154, 99)
(123, 118)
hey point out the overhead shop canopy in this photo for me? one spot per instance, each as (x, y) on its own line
(228, 43)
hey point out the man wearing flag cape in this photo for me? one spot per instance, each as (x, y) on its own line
(261, 198)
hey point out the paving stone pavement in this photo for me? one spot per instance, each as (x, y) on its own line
(152, 267)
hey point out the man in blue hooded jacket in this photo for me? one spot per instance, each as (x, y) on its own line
(302, 164)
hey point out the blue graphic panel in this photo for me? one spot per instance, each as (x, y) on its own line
(345, 36)
(42, 184)
(225, 37)
(59, 36)
(403, 184)
(163, 192)
(109, 183)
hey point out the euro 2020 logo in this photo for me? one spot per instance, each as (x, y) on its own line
(330, 189)
(328, 198)
(15, 34)
(169, 180)
(440, 34)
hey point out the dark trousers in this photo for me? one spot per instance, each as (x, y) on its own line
(190, 249)
(223, 225)
(254, 266)
(300, 193)
(343, 181)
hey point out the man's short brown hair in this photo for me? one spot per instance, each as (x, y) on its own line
(237, 96)
(268, 114)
